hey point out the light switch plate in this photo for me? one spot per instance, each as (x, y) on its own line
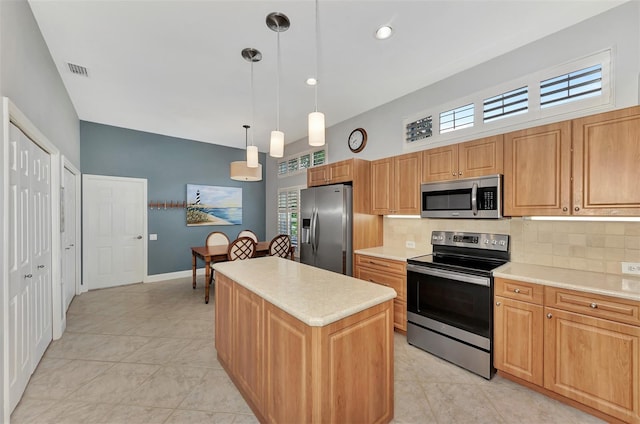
(410, 244)
(153, 237)
(631, 268)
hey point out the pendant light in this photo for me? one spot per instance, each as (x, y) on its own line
(252, 56)
(239, 170)
(316, 119)
(277, 22)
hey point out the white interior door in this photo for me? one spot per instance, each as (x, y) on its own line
(69, 243)
(114, 230)
(20, 273)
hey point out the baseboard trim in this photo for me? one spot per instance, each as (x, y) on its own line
(171, 275)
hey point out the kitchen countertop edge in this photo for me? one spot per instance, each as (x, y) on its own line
(614, 285)
(392, 253)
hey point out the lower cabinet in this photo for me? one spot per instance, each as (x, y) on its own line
(581, 346)
(388, 273)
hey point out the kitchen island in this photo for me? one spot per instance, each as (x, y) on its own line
(305, 345)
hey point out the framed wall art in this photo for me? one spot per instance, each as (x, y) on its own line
(213, 205)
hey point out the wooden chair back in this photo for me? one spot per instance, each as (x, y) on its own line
(241, 248)
(217, 238)
(281, 246)
(248, 233)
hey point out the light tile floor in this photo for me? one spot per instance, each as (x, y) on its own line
(144, 354)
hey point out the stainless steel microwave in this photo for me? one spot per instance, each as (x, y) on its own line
(479, 197)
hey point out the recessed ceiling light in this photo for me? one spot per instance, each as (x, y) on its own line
(384, 32)
(312, 81)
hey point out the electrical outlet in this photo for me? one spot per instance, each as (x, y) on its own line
(631, 268)
(153, 237)
(410, 244)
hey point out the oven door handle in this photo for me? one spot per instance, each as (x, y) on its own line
(465, 278)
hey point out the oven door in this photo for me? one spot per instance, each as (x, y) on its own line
(454, 304)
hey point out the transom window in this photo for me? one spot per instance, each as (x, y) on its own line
(456, 119)
(295, 164)
(570, 87)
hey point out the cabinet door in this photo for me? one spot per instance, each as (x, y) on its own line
(317, 176)
(593, 361)
(605, 163)
(537, 164)
(223, 325)
(518, 339)
(341, 172)
(247, 344)
(440, 164)
(381, 179)
(481, 157)
(406, 184)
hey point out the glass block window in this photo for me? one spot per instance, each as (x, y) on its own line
(419, 129)
(456, 119)
(288, 212)
(514, 102)
(570, 87)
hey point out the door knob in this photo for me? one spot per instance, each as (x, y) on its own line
(139, 237)
(40, 266)
(28, 276)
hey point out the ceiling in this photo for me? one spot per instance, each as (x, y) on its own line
(175, 68)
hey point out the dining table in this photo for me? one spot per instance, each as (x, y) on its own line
(218, 253)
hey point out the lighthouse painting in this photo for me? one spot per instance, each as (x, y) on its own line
(213, 205)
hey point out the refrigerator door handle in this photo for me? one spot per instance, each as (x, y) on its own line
(314, 230)
(312, 235)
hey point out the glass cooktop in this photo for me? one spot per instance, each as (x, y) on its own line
(437, 260)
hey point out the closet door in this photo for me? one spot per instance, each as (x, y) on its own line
(20, 266)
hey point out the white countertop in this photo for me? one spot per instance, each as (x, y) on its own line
(622, 286)
(393, 253)
(315, 296)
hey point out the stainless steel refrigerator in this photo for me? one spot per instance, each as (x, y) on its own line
(325, 238)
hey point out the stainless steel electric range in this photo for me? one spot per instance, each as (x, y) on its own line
(449, 298)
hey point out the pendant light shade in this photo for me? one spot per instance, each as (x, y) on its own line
(276, 149)
(316, 129)
(252, 156)
(277, 22)
(239, 171)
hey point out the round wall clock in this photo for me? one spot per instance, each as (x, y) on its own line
(357, 140)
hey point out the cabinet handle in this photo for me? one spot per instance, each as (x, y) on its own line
(549, 315)
(576, 209)
(565, 209)
(594, 305)
(498, 303)
(516, 290)
(453, 173)
(459, 173)
(378, 263)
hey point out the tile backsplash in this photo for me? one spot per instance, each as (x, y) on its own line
(583, 245)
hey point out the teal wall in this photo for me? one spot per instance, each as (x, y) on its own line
(169, 164)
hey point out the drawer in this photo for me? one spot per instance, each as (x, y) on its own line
(612, 308)
(400, 314)
(380, 264)
(519, 290)
(396, 282)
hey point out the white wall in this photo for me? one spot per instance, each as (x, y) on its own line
(618, 28)
(28, 76)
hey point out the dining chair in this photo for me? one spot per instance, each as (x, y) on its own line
(248, 233)
(241, 248)
(215, 238)
(281, 246)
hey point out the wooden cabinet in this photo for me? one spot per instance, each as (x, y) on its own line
(395, 185)
(606, 156)
(588, 166)
(470, 159)
(224, 303)
(332, 173)
(388, 273)
(581, 346)
(519, 330)
(537, 171)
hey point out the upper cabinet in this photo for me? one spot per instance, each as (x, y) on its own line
(543, 176)
(536, 170)
(471, 159)
(395, 185)
(606, 159)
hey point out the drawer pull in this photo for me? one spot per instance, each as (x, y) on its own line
(594, 305)
(516, 290)
(549, 315)
(378, 263)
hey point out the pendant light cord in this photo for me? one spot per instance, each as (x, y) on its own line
(252, 102)
(315, 88)
(278, 82)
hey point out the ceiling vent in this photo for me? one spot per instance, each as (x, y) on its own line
(78, 70)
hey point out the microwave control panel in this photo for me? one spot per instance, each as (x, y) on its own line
(487, 199)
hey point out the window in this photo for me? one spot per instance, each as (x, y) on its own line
(456, 119)
(570, 87)
(419, 129)
(298, 163)
(288, 212)
(511, 103)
